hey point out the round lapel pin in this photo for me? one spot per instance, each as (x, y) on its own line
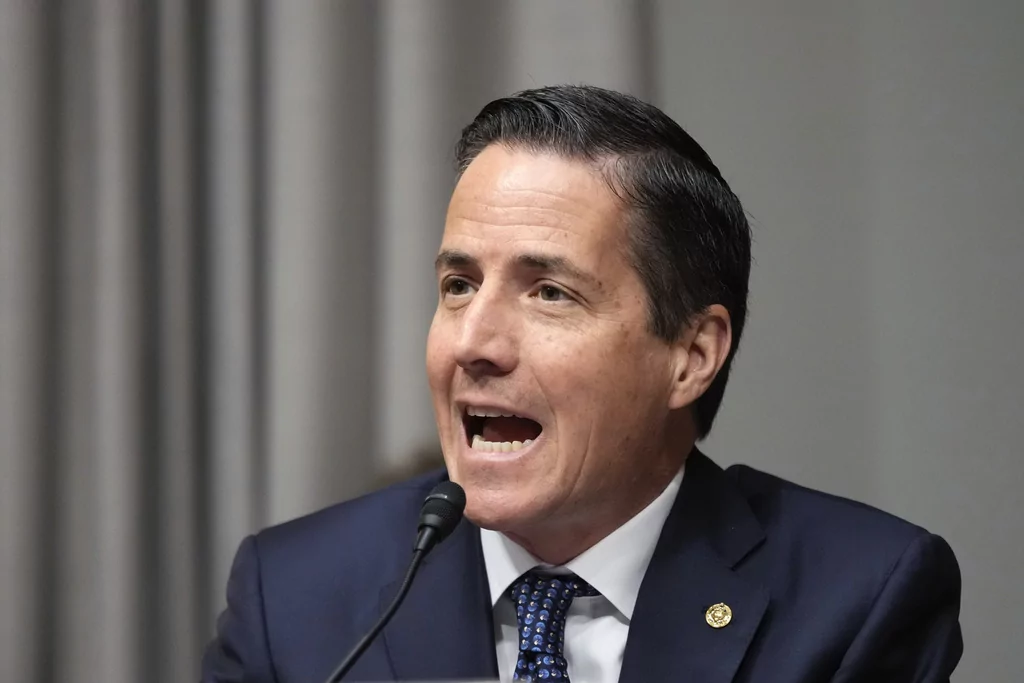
(718, 615)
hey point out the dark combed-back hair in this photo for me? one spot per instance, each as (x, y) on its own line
(689, 237)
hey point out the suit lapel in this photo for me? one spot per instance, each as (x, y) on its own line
(444, 630)
(708, 532)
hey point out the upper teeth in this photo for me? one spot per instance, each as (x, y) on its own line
(486, 412)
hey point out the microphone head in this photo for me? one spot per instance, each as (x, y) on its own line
(442, 510)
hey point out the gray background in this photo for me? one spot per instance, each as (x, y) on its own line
(217, 224)
(879, 153)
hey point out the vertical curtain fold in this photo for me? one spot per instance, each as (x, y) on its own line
(75, 416)
(178, 539)
(122, 345)
(320, 288)
(25, 42)
(234, 230)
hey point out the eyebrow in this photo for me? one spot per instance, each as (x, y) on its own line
(555, 265)
(452, 258)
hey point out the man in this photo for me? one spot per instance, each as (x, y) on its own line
(592, 284)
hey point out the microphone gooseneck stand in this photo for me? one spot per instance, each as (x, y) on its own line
(440, 514)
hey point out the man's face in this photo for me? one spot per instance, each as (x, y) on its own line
(542, 318)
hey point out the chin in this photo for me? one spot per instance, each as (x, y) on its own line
(498, 512)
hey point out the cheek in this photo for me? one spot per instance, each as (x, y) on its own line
(578, 378)
(440, 372)
(602, 383)
(440, 364)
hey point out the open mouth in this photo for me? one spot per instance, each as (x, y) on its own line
(494, 431)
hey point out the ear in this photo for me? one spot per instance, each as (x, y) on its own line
(700, 353)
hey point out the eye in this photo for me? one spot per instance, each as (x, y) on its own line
(551, 293)
(456, 286)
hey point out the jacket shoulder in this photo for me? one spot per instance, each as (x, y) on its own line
(362, 535)
(830, 524)
(881, 593)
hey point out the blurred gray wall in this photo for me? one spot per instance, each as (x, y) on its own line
(878, 149)
(217, 224)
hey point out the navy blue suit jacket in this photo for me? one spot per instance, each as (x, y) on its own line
(821, 589)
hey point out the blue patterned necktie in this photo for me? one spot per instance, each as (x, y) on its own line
(541, 605)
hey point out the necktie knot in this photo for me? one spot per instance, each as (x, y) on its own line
(541, 606)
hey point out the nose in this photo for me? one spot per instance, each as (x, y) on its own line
(487, 343)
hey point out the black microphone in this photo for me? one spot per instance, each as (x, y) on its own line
(440, 514)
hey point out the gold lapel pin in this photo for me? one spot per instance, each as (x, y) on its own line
(718, 615)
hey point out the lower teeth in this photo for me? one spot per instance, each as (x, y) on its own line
(498, 446)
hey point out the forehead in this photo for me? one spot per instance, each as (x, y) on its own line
(507, 196)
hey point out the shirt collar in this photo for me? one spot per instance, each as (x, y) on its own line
(615, 565)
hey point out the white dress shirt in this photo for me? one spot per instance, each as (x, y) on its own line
(595, 628)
